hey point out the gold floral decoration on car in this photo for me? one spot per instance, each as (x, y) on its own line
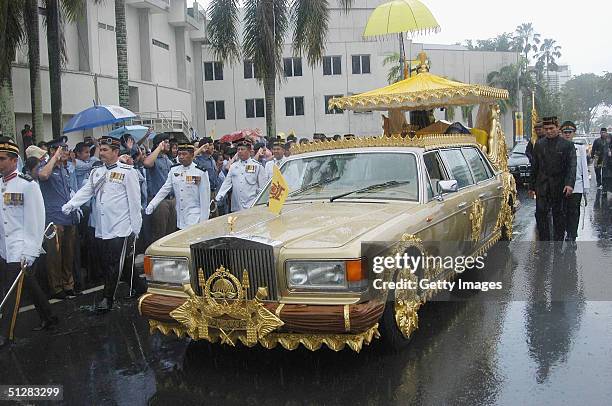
(224, 312)
(476, 217)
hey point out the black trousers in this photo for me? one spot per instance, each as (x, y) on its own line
(8, 274)
(572, 210)
(544, 204)
(597, 174)
(110, 252)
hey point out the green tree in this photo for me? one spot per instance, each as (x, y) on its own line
(266, 23)
(31, 22)
(395, 72)
(581, 98)
(11, 36)
(122, 54)
(547, 56)
(466, 114)
(525, 41)
(58, 12)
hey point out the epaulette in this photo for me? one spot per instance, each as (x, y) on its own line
(97, 164)
(26, 177)
(177, 164)
(201, 168)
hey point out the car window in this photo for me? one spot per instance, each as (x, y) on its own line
(520, 148)
(476, 163)
(435, 171)
(458, 167)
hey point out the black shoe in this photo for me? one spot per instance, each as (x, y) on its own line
(104, 306)
(47, 324)
(61, 295)
(71, 294)
(3, 341)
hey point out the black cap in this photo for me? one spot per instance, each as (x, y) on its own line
(243, 142)
(8, 145)
(603, 129)
(186, 146)
(57, 142)
(111, 140)
(568, 124)
(552, 120)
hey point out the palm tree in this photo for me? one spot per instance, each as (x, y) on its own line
(265, 24)
(525, 41)
(11, 35)
(547, 56)
(466, 113)
(30, 16)
(122, 54)
(395, 73)
(57, 12)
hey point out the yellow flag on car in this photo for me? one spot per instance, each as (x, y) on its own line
(278, 191)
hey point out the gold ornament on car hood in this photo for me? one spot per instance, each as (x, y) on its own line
(224, 312)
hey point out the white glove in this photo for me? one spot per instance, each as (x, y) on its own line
(149, 210)
(67, 209)
(28, 260)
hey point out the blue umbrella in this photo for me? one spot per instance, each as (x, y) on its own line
(97, 116)
(136, 131)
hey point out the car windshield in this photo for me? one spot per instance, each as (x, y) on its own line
(519, 149)
(326, 176)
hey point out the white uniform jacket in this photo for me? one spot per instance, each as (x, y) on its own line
(117, 193)
(270, 166)
(22, 217)
(191, 188)
(245, 179)
(582, 170)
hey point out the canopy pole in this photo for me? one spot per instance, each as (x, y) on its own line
(402, 56)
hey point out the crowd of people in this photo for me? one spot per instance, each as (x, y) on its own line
(71, 216)
(560, 177)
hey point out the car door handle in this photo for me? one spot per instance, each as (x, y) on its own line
(500, 187)
(482, 195)
(462, 205)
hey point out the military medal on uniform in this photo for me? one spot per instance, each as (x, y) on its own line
(13, 199)
(250, 168)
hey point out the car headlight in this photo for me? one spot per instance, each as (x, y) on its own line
(168, 270)
(316, 275)
(326, 275)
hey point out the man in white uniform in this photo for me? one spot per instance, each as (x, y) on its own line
(278, 158)
(22, 224)
(117, 215)
(581, 186)
(246, 177)
(190, 185)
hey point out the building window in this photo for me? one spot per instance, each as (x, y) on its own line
(294, 106)
(361, 64)
(255, 108)
(161, 44)
(332, 65)
(249, 70)
(215, 110)
(188, 58)
(335, 110)
(213, 71)
(102, 26)
(110, 28)
(293, 66)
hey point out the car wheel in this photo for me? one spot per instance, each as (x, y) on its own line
(400, 318)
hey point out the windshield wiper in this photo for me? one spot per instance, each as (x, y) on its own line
(313, 185)
(371, 187)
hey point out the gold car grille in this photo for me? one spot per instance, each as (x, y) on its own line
(236, 255)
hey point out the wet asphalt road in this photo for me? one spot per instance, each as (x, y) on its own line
(546, 338)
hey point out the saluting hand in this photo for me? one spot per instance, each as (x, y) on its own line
(568, 190)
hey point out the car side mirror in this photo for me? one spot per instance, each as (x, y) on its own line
(448, 186)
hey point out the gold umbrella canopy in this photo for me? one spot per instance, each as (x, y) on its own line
(399, 16)
(423, 91)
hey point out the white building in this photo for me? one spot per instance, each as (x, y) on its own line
(172, 68)
(164, 54)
